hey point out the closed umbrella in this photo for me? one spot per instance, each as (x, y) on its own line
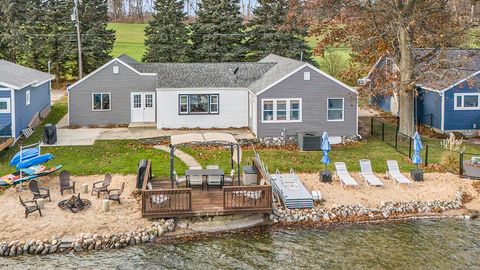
(325, 148)
(417, 147)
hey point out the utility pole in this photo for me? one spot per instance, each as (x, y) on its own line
(79, 42)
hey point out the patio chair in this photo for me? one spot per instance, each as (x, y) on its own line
(102, 186)
(195, 168)
(344, 176)
(367, 174)
(39, 192)
(195, 180)
(30, 207)
(395, 174)
(228, 180)
(114, 194)
(212, 167)
(179, 180)
(214, 180)
(66, 183)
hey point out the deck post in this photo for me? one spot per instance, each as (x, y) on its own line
(172, 164)
(238, 163)
(231, 156)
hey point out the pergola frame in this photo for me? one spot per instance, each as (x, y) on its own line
(230, 143)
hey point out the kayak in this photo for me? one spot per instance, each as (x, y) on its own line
(34, 161)
(27, 174)
(25, 155)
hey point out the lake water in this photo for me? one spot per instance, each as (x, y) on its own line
(428, 244)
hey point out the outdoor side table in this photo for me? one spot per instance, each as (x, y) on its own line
(41, 203)
(84, 188)
(417, 175)
(325, 175)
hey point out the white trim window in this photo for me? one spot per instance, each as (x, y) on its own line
(199, 104)
(27, 97)
(5, 105)
(101, 102)
(281, 110)
(335, 109)
(470, 101)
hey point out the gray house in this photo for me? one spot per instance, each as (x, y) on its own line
(274, 97)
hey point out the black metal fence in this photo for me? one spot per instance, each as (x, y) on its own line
(386, 129)
(464, 163)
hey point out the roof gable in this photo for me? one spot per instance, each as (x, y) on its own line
(16, 76)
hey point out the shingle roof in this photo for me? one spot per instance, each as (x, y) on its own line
(127, 59)
(202, 75)
(444, 68)
(283, 66)
(17, 76)
(447, 67)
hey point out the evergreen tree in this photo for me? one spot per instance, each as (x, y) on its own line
(268, 32)
(218, 31)
(61, 38)
(166, 35)
(97, 40)
(36, 34)
(13, 37)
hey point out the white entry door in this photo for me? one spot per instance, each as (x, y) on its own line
(143, 107)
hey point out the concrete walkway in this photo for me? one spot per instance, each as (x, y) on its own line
(222, 223)
(88, 136)
(186, 158)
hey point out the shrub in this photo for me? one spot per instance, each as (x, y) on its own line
(451, 156)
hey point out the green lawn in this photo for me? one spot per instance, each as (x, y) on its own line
(308, 162)
(120, 156)
(130, 39)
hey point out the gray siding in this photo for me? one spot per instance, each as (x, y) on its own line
(104, 81)
(314, 94)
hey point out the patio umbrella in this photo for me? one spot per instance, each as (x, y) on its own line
(417, 147)
(325, 148)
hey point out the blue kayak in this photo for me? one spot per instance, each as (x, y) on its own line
(26, 155)
(34, 161)
(24, 175)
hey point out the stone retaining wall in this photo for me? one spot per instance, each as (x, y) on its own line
(358, 212)
(88, 241)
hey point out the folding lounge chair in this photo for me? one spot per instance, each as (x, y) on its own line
(344, 176)
(367, 174)
(395, 174)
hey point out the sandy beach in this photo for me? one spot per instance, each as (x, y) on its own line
(436, 186)
(127, 216)
(58, 222)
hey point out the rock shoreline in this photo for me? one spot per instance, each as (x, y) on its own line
(87, 241)
(386, 211)
(358, 212)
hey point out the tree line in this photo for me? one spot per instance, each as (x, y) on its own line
(140, 11)
(41, 34)
(219, 33)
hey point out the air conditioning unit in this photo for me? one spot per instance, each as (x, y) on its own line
(310, 141)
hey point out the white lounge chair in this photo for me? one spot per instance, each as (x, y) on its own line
(367, 174)
(395, 174)
(344, 176)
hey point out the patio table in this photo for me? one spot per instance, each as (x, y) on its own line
(203, 172)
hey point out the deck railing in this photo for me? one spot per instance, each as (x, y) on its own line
(166, 201)
(247, 197)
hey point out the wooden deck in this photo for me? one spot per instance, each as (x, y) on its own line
(164, 202)
(161, 201)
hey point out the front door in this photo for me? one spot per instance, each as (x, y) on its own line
(143, 107)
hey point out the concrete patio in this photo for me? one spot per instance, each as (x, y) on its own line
(87, 136)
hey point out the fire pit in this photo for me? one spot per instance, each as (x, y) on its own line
(75, 204)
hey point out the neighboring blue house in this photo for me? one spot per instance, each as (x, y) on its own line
(24, 95)
(448, 88)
